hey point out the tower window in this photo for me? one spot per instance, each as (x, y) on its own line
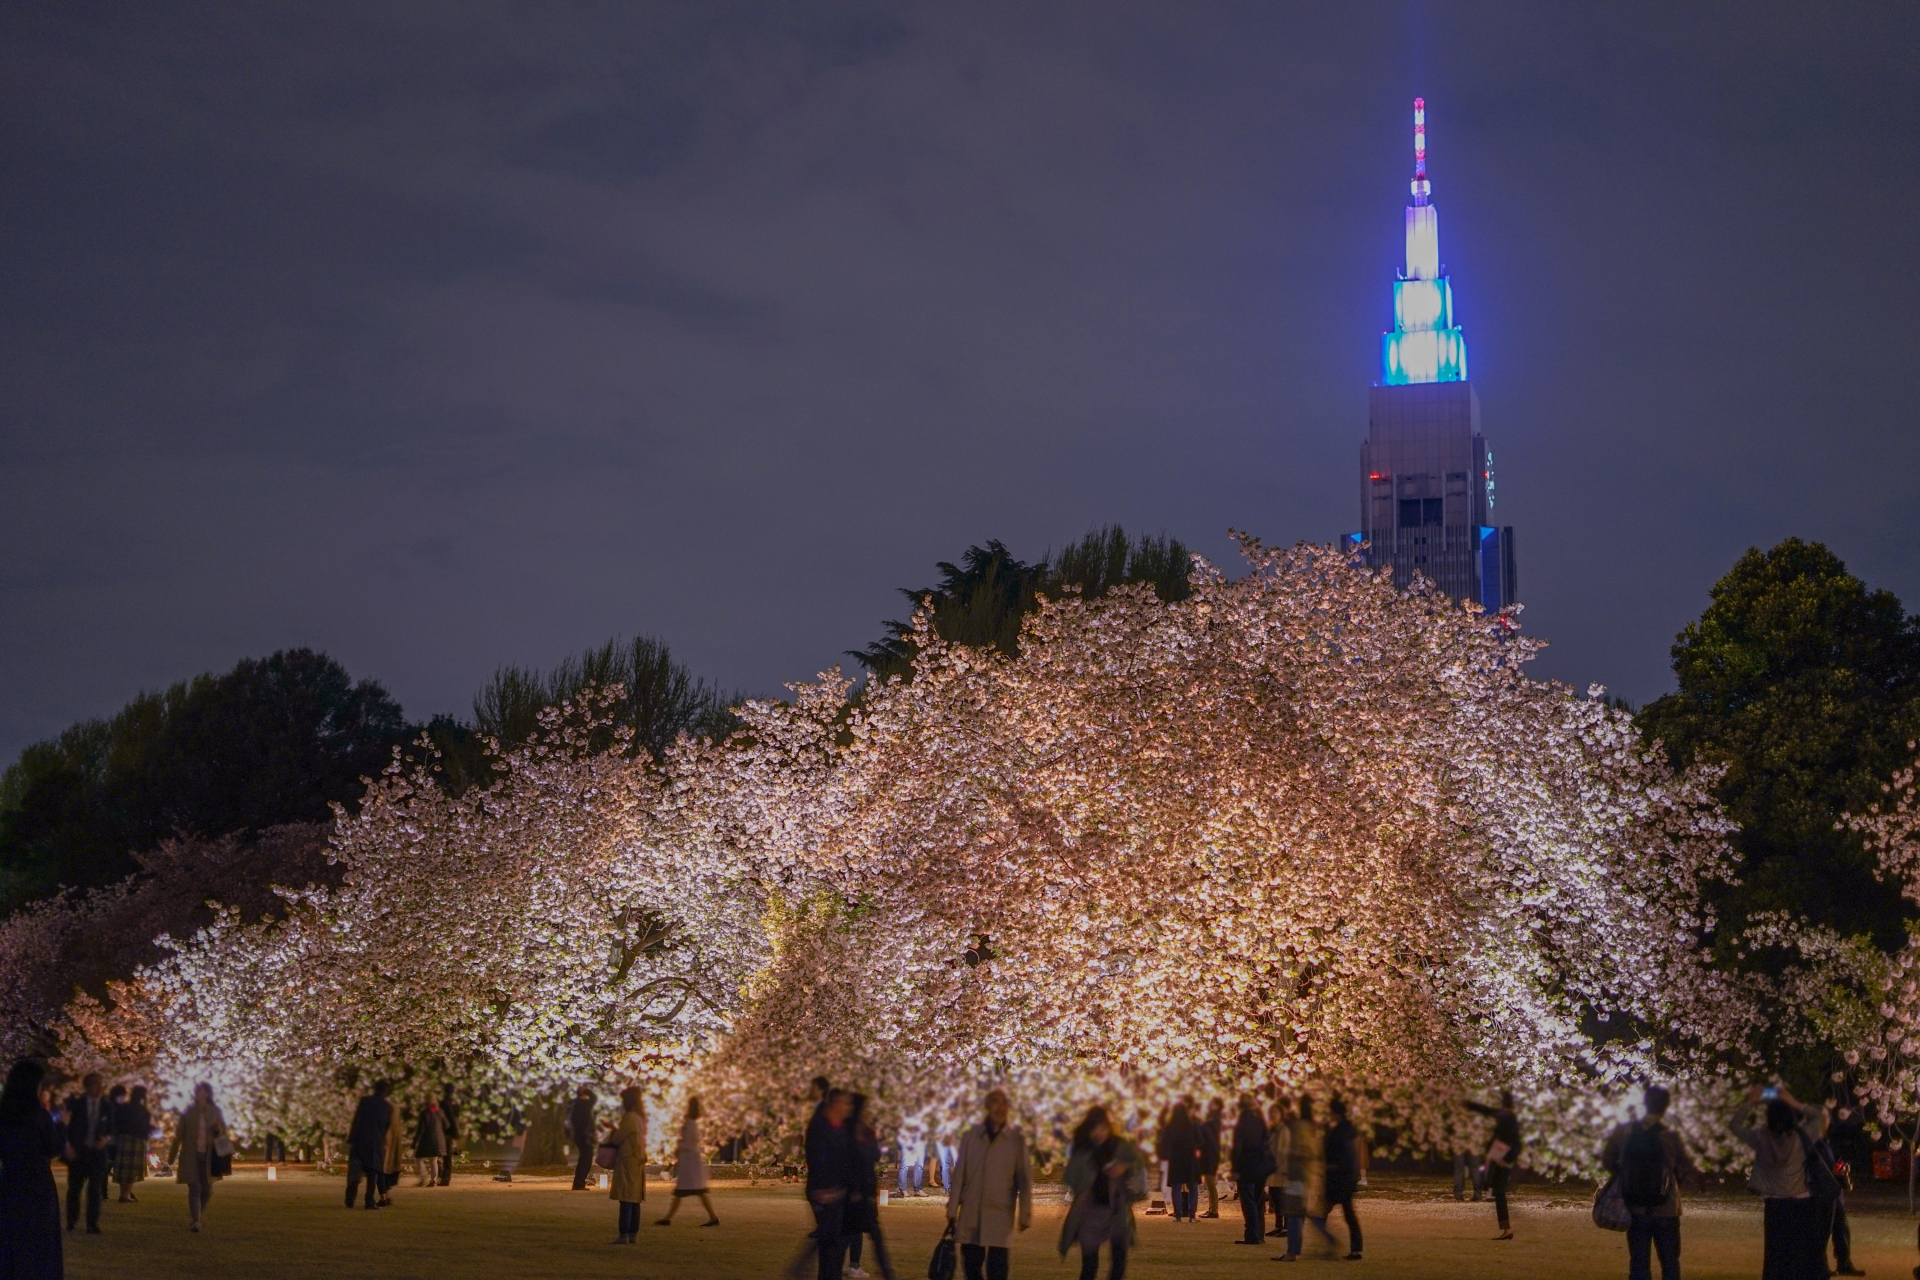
(1430, 512)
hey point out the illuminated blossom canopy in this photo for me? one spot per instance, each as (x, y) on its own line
(1294, 828)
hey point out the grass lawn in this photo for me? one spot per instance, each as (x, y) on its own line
(538, 1227)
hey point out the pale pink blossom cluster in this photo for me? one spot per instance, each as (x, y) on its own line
(1297, 828)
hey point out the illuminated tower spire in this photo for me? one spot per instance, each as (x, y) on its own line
(1425, 345)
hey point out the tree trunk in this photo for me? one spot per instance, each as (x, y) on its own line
(546, 1130)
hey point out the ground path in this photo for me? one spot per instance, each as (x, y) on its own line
(535, 1228)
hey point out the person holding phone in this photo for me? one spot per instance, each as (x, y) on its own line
(1503, 1149)
(1782, 1144)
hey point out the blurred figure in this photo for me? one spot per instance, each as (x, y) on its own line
(992, 1191)
(89, 1130)
(1502, 1150)
(1306, 1181)
(30, 1245)
(1106, 1176)
(1837, 1229)
(1280, 1139)
(690, 1169)
(1467, 1169)
(392, 1146)
(1342, 1148)
(450, 1121)
(1210, 1155)
(1252, 1162)
(132, 1129)
(862, 1217)
(116, 1099)
(200, 1141)
(580, 1130)
(430, 1144)
(912, 1143)
(1650, 1162)
(1795, 1227)
(630, 1163)
(946, 1151)
(830, 1181)
(1179, 1148)
(367, 1143)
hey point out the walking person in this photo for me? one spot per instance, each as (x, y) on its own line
(1252, 1162)
(1782, 1148)
(830, 1180)
(1503, 1148)
(1210, 1155)
(30, 1244)
(580, 1131)
(1306, 1180)
(430, 1144)
(132, 1130)
(690, 1169)
(862, 1218)
(202, 1148)
(1650, 1162)
(1179, 1147)
(1106, 1176)
(89, 1130)
(1342, 1153)
(992, 1190)
(367, 1143)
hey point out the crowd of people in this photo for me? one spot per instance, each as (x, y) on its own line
(1285, 1163)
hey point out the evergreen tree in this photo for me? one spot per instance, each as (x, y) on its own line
(1805, 686)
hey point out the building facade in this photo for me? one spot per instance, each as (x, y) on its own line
(1427, 496)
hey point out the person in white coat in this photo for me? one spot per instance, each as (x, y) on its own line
(991, 1191)
(690, 1169)
(913, 1157)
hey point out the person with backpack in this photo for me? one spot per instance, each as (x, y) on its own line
(1799, 1191)
(1650, 1162)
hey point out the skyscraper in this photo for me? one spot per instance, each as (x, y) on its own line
(1426, 471)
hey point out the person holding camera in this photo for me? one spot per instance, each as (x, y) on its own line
(1799, 1190)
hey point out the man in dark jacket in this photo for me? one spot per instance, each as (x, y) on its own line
(367, 1143)
(830, 1178)
(580, 1129)
(1179, 1146)
(1252, 1162)
(1342, 1151)
(89, 1130)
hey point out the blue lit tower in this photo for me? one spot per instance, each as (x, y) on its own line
(1426, 473)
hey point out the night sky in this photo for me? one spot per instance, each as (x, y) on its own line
(442, 336)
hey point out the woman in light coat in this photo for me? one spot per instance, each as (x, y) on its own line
(992, 1182)
(630, 1165)
(1107, 1175)
(690, 1169)
(390, 1158)
(200, 1130)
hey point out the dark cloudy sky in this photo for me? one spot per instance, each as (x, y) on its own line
(440, 336)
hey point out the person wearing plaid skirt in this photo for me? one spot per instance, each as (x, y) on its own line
(132, 1126)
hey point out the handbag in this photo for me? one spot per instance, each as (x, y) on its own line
(223, 1146)
(608, 1155)
(1610, 1212)
(941, 1265)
